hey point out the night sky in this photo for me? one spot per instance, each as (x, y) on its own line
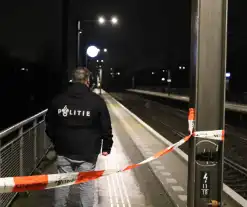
(145, 31)
(151, 34)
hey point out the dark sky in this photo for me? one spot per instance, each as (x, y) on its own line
(148, 33)
(145, 28)
(32, 27)
(28, 27)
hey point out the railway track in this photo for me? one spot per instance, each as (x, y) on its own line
(235, 175)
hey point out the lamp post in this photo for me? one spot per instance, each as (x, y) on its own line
(101, 21)
(79, 32)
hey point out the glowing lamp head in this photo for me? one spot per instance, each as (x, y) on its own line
(92, 51)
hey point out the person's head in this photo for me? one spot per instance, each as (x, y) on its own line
(81, 75)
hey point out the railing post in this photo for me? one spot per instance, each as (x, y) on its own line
(21, 152)
(35, 142)
(0, 160)
(44, 135)
(0, 168)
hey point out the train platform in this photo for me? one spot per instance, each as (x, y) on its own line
(235, 107)
(137, 187)
(162, 182)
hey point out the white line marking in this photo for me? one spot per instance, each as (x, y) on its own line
(165, 173)
(114, 188)
(124, 188)
(109, 187)
(148, 153)
(119, 188)
(171, 180)
(177, 188)
(121, 179)
(160, 167)
(147, 149)
(182, 197)
(156, 162)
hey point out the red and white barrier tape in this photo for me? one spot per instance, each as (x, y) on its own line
(41, 182)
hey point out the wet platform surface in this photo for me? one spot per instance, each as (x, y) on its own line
(135, 188)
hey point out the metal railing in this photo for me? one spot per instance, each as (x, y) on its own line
(22, 148)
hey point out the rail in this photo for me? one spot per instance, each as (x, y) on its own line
(241, 108)
(22, 148)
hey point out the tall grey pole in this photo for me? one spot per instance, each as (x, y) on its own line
(133, 82)
(208, 68)
(65, 34)
(100, 78)
(86, 60)
(169, 81)
(78, 43)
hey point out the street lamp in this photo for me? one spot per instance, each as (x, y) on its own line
(92, 51)
(101, 20)
(114, 20)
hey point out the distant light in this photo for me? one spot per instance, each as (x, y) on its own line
(70, 81)
(152, 73)
(183, 67)
(101, 20)
(169, 80)
(118, 73)
(163, 70)
(100, 66)
(105, 50)
(110, 68)
(102, 61)
(163, 79)
(80, 32)
(228, 75)
(114, 20)
(97, 60)
(92, 51)
(23, 69)
(180, 67)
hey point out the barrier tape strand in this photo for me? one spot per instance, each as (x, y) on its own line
(41, 182)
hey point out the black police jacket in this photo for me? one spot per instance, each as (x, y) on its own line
(77, 121)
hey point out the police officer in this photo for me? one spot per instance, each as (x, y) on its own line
(76, 122)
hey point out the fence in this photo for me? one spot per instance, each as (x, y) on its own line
(23, 146)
